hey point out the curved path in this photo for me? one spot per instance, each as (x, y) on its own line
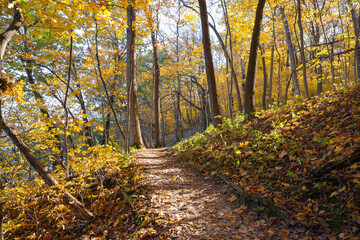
(191, 207)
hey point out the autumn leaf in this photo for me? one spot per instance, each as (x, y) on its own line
(232, 198)
(99, 128)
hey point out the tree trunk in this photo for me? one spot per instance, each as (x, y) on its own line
(2, 203)
(302, 50)
(10, 32)
(272, 60)
(162, 126)
(156, 92)
(249, 106)
(228, 56)
(357, 45)
(135, 138)
(80, 98)
(45, 111)
(291, 52)
(331, 58)
(265, 78)
(44, 174)
(210, 73)
(5, 38)
(106, 135)
(1, 219)
(318, 68)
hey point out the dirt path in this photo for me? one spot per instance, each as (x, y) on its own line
(190, 206)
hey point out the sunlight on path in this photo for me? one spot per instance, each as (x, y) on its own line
(189, 206)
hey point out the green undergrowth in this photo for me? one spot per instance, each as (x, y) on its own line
(277, 155)
(104, 180)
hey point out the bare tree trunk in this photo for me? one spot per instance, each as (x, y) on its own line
(10, 32)
(2, 203)
(162, 126)
(5, 38)
(265, 78)
(104, 83)
(291, 52)
(357, 45)
(249, 106)
(210, 73)
(1, 219)
(272, 59)
(228, 56)
(302, 50)
(177, 102)
(44, 174)
(78, 94)
(318, 68)
(279, 78)
(67, 167)
(135, 138)
(331, 58)
(106, 135)
(156, 92)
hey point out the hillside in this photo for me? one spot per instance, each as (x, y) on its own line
(303, 158)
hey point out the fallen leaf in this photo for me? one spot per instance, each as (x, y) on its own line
(283, 154)
(223, 224)
(255, 224)
(232, 198)
(285, 233)
(240, 210)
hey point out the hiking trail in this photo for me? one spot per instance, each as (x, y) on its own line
(190, 206)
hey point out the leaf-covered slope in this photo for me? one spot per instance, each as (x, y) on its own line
(303, 157)
(107, 183)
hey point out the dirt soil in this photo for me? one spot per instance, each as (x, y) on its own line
(189, 206)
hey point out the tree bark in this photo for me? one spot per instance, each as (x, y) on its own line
(135, 138)
(210, 73)
(44, 174)
(1, 219)
(5, 37)
(249, 105)
(10, 32)
(265, 78)
(291, 52)
(356, 32)
(331, 57)
(177, 119)
(302, 50)
(156, 92)
(228, 56)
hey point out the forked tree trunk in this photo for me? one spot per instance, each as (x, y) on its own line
(249, 103)
(210, 73)
(135, 138)
(44, 174)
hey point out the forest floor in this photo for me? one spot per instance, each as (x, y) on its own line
(188, 205)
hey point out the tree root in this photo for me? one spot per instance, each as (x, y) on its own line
(266, 203)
